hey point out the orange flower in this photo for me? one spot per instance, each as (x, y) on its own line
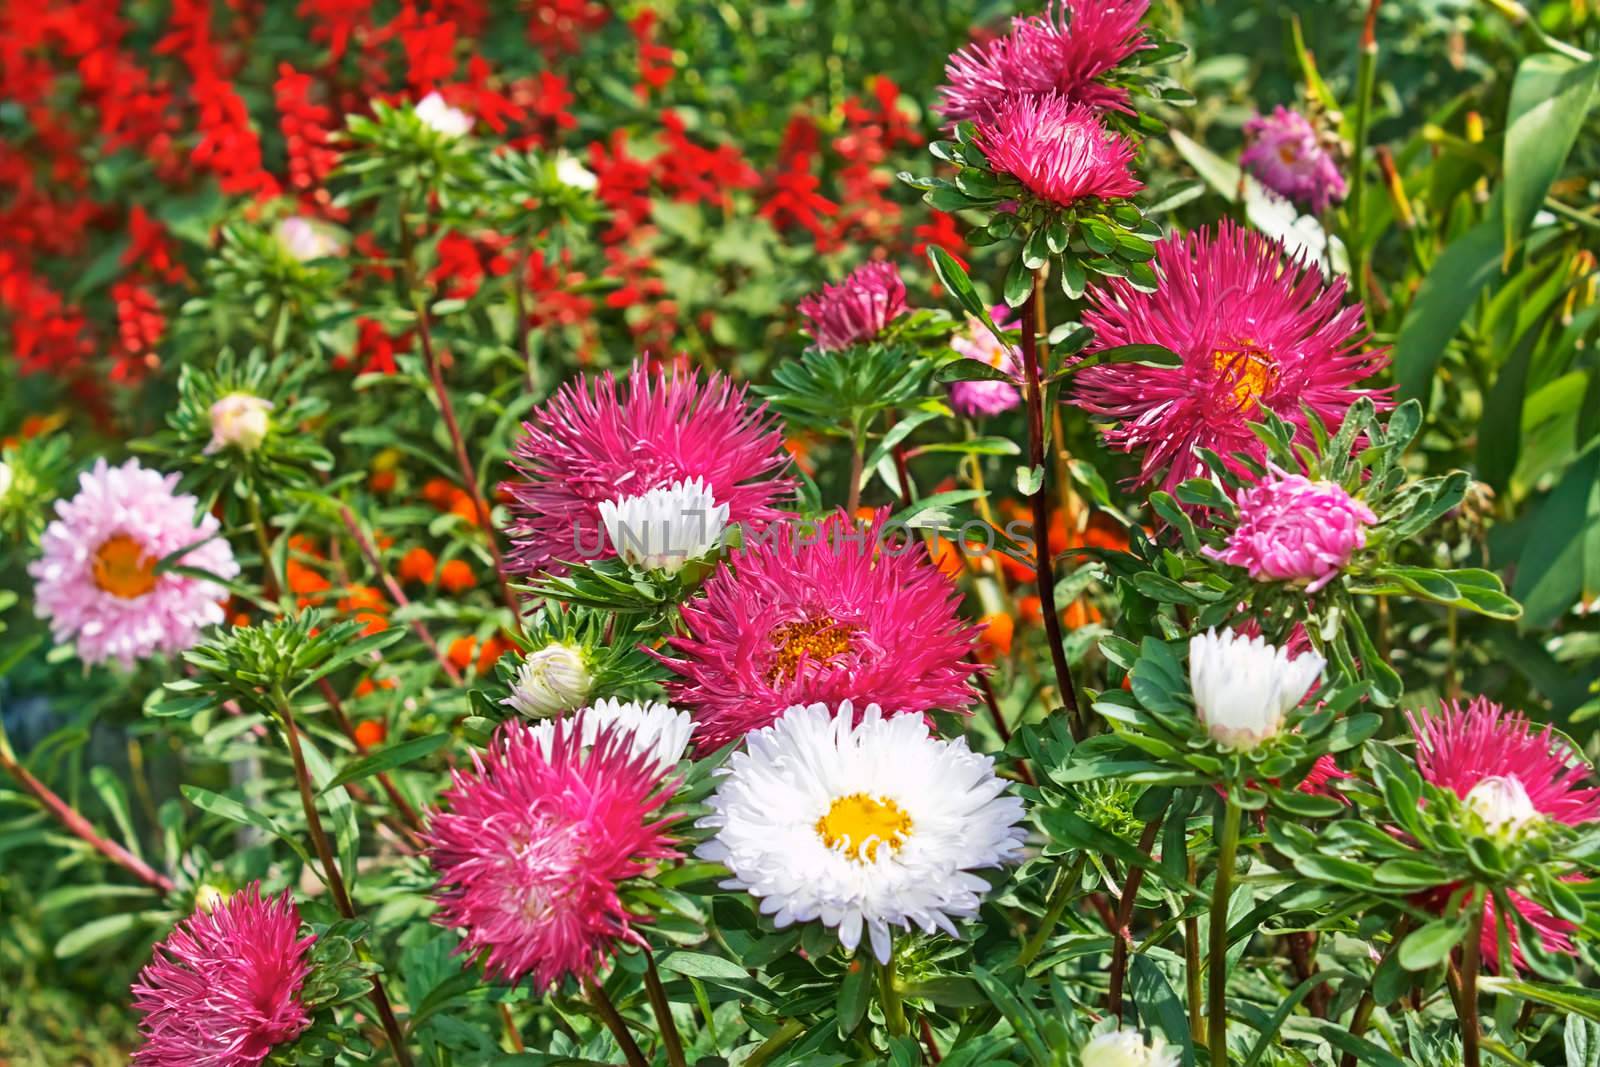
(365, 605)
(1029, 608)
(947, 558)
(417, 566)
(456, 576)
(462, 507)
(995, 639)
(438, 492)
(491, 652)
(460, 652)
(1079, 613)
(370, 733)
(381, 482)
(464, 650)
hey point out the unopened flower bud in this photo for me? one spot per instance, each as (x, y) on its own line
(571, 172)
(442, 118)
(240, 421)
(1502, 803)
(1127, 1048)
(550, 681)
(1243, 687)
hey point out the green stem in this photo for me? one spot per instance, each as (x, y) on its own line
(780, 1039)
(1365, 1006)
(894, 1012)
(1191, 968)
(858, 448)
(662, 1008)
(1467, 1006)
(269, 582)
(613, 1021)
(1061, 894)
(1366, 79)
(1217, 961)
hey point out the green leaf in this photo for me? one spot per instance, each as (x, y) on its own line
(1427, 946)
(1500, 430)
(701, 965)
(1550, 99)
(953, 276)
(1468, 264)
(95, 932)
(388, 759)
(1578, 1000)
(233, 811)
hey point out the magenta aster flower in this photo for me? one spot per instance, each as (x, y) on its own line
(1292, 529)
(1064, 50)
(856, 310)
(1508, 775)
(223, 988)
(537, 838)
(1058, 150)
(1284, 153)
(808, 617)
(97, 581)
(596, 441)
(1251, 331)
(978, 342)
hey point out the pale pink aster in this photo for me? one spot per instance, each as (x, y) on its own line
(1284, 153)
(96, 577)
(1251, 331)
(597, 440)
(223, 989)
(1059, 151)
(1292, 529)
(535, 841)
(1500, 766)
(858, 309)
(1066, 49)
(820, 616)
(977, 341)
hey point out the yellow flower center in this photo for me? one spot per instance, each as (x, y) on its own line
(818, 640)
(1288, 153)
(860, 824)
(123, 568)
(1249, 369)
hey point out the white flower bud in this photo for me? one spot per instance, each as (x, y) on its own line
(5, 478)
(306, 239)
(442, 118)
(240, 421)
(1243, 687)
(571, 172)
(666, 527)
(550, 681)
(1502, 803)
(1126, 1048)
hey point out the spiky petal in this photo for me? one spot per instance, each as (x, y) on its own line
(223, 988)
(858, 309)
(1066, 49)
(819, 616)
(1058, 150)
(597, 440)
(1461, 746)
(1252, 332)
(535, 841)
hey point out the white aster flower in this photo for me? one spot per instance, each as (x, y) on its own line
(307, 239)
(571, 172)
(658, 730)
(872, 825)
(1243, 687)
(666, 527)
(1126, 1048)
(240, 421)
(1502, 802)
(442, 118)
(551, 680)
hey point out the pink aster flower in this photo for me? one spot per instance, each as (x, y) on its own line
(596, 441)
(1292, 529)
(97, 581)
(1067, 50)
(1509, 775)
(978, 342)
(1284, 154)
(1251, 332)
(805, 617)
(1477, 750)
(223, 989)
(858, 309)
(1058, 150)
(535, 841)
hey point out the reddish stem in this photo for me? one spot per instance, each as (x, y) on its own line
(370, 553)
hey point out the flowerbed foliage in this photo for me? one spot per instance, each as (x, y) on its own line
(689, 533)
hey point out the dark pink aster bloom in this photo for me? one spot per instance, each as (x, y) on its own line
(534, 842)
(1058, 150)
(1064, 50)
(596, 441)
(1284, 153)
(856, 310)
(1509, 774)
(1252, 332)
(1470, 749)
(845, 613)
(223, 989)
